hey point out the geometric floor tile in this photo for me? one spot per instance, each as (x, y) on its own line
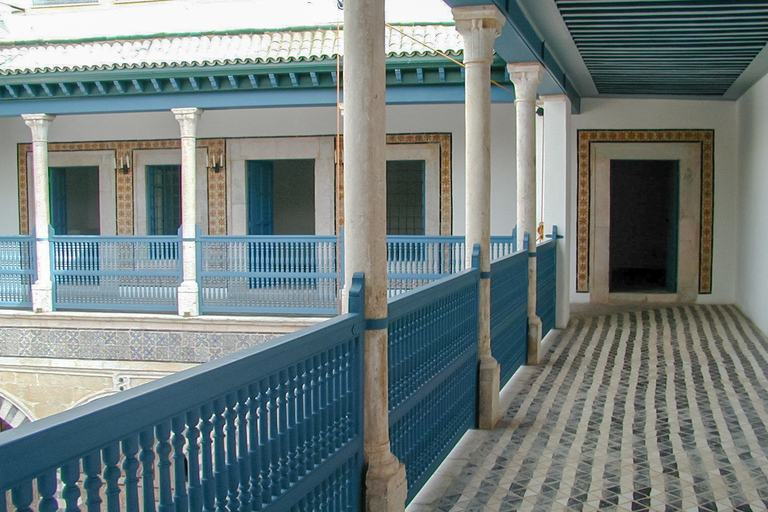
(654, 410)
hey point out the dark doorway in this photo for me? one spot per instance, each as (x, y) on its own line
(644, 226)
(74, 200)
(281, 197)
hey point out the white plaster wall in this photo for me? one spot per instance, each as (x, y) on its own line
(12, 131)
(631, 114)
(279, 122)
(752, 242)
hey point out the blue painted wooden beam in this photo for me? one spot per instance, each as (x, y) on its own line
(400, 95)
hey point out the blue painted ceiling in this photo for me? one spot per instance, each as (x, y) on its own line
(666, 47)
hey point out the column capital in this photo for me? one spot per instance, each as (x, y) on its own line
(479, 25)
(526, 76)
(39, 124)
(187, 118)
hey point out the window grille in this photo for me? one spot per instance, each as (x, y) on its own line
(405, 197)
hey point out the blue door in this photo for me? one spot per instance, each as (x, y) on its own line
(57, 180)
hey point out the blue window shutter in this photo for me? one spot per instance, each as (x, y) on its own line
(57, 180)
(260, 200)
(163, 199)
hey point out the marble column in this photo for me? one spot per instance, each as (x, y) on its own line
(527, 77)
(188, 294)
(42, 288)
(365, 248)
(480, 26)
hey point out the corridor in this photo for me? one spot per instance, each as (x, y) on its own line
(655, 410)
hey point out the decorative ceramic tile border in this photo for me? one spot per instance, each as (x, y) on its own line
(446, 196)
(217, 187)
(706, 138)
(124, 344)
(124, 149)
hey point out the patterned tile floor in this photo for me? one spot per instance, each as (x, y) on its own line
(662, 409)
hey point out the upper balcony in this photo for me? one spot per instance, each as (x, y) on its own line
(253, 275)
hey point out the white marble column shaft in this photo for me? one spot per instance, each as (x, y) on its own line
(188, 294)
(42, 288)
(480, 26)
(527, 77)
(365, 249)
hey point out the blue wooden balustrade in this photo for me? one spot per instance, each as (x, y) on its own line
(115, 273)
(17, 270)
(432, 371)
(276, 427)
(509, 312)
(546, 282)
(248, 274)
(267, 274)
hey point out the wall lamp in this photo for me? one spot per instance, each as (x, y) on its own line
(214, 164)
(124, 165)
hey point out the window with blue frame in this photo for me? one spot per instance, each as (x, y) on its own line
(163, 199)
(163, 208)
(405, 197)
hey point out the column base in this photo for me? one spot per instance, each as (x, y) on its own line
(534, 340)
(488, 386)
(42, 297)
(188, 299)
(386, 488)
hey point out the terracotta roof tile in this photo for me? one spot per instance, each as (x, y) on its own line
(210, 50)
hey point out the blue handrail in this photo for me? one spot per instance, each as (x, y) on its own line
(278, 426)
(432, 371)
(509, 312)
(546, 282)
(17, 270)
(116, 273)
(265, 274)
(236, 274)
